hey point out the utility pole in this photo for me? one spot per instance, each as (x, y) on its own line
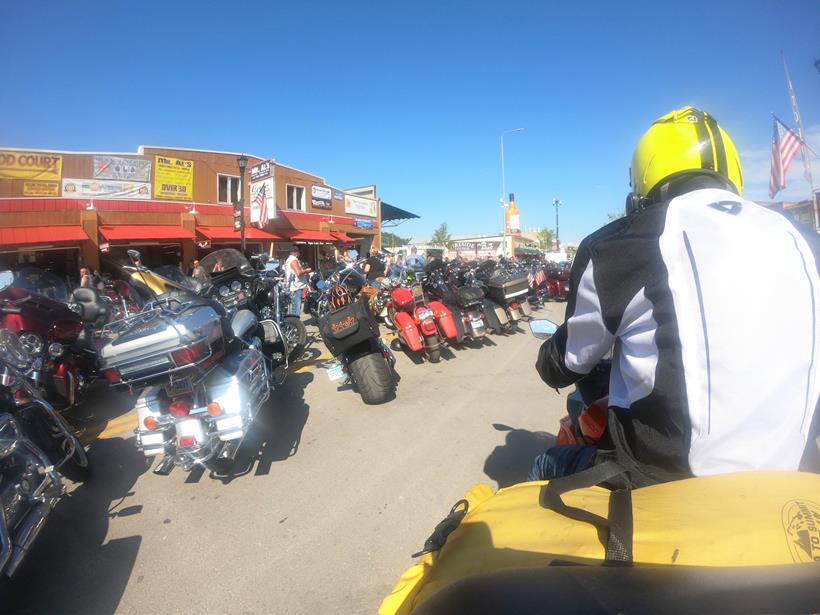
(556, 202)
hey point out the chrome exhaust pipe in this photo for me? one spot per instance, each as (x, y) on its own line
(5, 543)
(30, 528)
(165, 466)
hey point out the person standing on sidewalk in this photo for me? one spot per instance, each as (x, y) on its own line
(295, 276)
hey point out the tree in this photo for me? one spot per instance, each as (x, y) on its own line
(441, 237)
(546, 239)
(615, 215)
(392, 240)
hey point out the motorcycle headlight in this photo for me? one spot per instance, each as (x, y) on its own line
(236, 286)
(55, 350)
(224, 291)
(32, 343)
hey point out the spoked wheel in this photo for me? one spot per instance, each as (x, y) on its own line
(295, 334)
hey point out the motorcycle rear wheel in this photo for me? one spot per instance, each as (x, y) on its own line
(432, 349)
(373, 378)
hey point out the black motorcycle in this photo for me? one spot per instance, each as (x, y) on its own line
(37, 449)
(465, 302)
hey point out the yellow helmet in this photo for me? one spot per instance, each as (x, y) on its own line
(681, 142)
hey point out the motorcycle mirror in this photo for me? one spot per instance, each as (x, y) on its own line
(543, 329)
(134, 255)
(6, 279)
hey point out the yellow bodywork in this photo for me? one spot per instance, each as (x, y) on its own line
(743, 519)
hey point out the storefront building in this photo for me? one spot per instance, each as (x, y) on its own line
(63, 210)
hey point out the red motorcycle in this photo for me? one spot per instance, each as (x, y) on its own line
(53, 326)
(557, 283)
(421, 325)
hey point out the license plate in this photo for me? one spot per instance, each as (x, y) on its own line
(425, 314)
(337, 372)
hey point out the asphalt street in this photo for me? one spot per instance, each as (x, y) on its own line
(329, 499)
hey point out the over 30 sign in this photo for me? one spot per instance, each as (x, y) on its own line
(173, 178)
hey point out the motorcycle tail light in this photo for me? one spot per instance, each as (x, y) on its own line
(191, 354)
(150, 423)
(186, 441)
(180, 407)
(214, 409)
(112, 374)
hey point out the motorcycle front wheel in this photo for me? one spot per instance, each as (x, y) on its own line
(295, 334)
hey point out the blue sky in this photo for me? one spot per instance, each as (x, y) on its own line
(413, 96)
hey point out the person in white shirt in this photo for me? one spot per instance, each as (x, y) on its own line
(295, 276)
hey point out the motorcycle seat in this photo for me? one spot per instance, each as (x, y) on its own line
(94, 308)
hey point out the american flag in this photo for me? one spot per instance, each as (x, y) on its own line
(531, 279)
(540, 276)
(785, 145)
(261, 202)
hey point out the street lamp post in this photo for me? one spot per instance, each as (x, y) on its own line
(504, 189)
(242, 162)
(557, 203)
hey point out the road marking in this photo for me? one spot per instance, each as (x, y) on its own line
(312, 363)
(125, 418)
(117, 430)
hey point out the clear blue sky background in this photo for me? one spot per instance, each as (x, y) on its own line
(412, 96)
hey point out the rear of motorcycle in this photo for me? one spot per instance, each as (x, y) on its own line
(509, 291)
(351, 334)
(202, 381)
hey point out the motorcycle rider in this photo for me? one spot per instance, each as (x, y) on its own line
(415, 262)
(704, 380)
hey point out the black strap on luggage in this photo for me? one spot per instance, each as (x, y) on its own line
(444, 528)
(616, 531)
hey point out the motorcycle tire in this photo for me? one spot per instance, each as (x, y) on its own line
(295, 334)
(433, 354)
(74, 472)
(374, 378)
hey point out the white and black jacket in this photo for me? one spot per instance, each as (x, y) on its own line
(709, 304)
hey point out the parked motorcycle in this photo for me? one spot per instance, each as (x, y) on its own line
(465, 303)
(506, 288)
(56, 328)
(351, 334)
(204, 367)
(421, 325)
(37, 449)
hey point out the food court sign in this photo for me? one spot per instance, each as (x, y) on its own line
(30, 165)
(173, 178)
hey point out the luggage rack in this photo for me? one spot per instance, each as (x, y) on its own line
(117, 326)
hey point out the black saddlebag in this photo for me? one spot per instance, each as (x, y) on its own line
(348, 326)
(469, 295)
(502, 288)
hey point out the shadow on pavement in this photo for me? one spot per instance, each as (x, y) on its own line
(72, 568)
(277, 430)
(511, 462)
(102, 405)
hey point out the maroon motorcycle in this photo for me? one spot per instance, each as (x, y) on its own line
(557, 284)
(55, 328)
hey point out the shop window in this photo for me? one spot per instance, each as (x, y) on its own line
(229, 189)
(296, 197)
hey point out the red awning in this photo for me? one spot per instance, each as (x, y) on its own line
(40, 235)
(342, 237)
(129, 232)
(227, 232)
(312, 236)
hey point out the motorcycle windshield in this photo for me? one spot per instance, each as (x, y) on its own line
(12, 352)
(35, 281)
(222, 260)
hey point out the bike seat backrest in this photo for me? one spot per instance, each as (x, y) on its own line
(95, 309)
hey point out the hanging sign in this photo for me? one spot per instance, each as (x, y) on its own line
(107, 189)
(114, 167)
(261, 170)
(173, 178)
(320, 197)
(105, 247)
(41, 189)
(263, 203)
(360, 205)
(363, 223)
(30, 165)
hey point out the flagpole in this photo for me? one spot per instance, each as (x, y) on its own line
(801, 133)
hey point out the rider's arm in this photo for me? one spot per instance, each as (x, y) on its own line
(584, 338)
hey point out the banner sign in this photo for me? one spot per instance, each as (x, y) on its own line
(30, 165)
(113, 167)
(41, 189)
(320, 197)
(261, 170)
(360, 206)
(106, 189)
(173, 178)
(262, 193)
(363, 223)
(478, 249)
(338, 196)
